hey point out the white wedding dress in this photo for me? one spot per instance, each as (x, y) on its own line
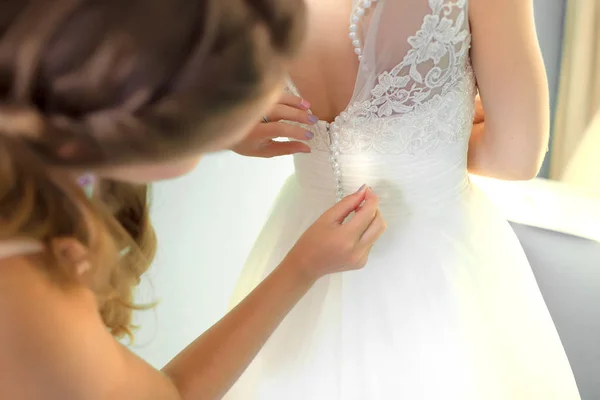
(447, 307)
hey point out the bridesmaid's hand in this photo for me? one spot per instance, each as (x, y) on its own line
(479, 112)
(260, 143)
(335, 243)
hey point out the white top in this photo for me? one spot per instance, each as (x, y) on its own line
(12, 248)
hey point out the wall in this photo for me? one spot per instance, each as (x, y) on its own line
(206, 223)
(208, 220)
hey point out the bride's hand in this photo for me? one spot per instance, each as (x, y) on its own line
(335, 243)
(260, 143)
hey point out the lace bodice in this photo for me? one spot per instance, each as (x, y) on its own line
(424, 101)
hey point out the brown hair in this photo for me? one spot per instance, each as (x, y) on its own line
(97, 83)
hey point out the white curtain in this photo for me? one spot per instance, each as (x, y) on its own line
(579, 92)
(583, 171)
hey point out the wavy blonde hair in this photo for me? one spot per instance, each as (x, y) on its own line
(86, 85)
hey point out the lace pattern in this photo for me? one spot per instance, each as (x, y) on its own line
(443, 119)
(424, 101)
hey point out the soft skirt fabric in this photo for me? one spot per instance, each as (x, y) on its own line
(447, 308)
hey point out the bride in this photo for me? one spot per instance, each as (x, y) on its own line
(449, 307)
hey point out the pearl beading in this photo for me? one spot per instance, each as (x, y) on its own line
(355, 18)
(333, 129)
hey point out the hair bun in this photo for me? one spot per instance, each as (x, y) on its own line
(286, 20)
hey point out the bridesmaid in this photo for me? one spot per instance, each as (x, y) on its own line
(131, 92)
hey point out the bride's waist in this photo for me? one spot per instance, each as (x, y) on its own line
(402, 183)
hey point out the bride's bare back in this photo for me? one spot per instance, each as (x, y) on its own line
(326, 70)
(504, 53)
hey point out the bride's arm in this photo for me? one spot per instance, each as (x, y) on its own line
(510, 73)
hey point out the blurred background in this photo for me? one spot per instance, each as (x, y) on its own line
(207, 221)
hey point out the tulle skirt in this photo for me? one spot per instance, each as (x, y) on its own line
(447, 308)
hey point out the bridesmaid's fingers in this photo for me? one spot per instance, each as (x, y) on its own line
(281, 112)
(276, 149)
(479, 111)
(276, 130)
(294, 101)
(365, 214)
(339, 212)
(364, 259)
(374, 231)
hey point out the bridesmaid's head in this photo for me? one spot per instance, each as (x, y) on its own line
(104, 84)
(132, 90)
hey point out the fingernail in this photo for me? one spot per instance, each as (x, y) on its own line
(309, 135)
(313, 119)
(361, 188)
(305, 104)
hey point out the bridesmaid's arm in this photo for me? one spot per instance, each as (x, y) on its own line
(210, 365)
(512, 142)
(53, 344)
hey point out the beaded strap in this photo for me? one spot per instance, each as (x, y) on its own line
(333, 129)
